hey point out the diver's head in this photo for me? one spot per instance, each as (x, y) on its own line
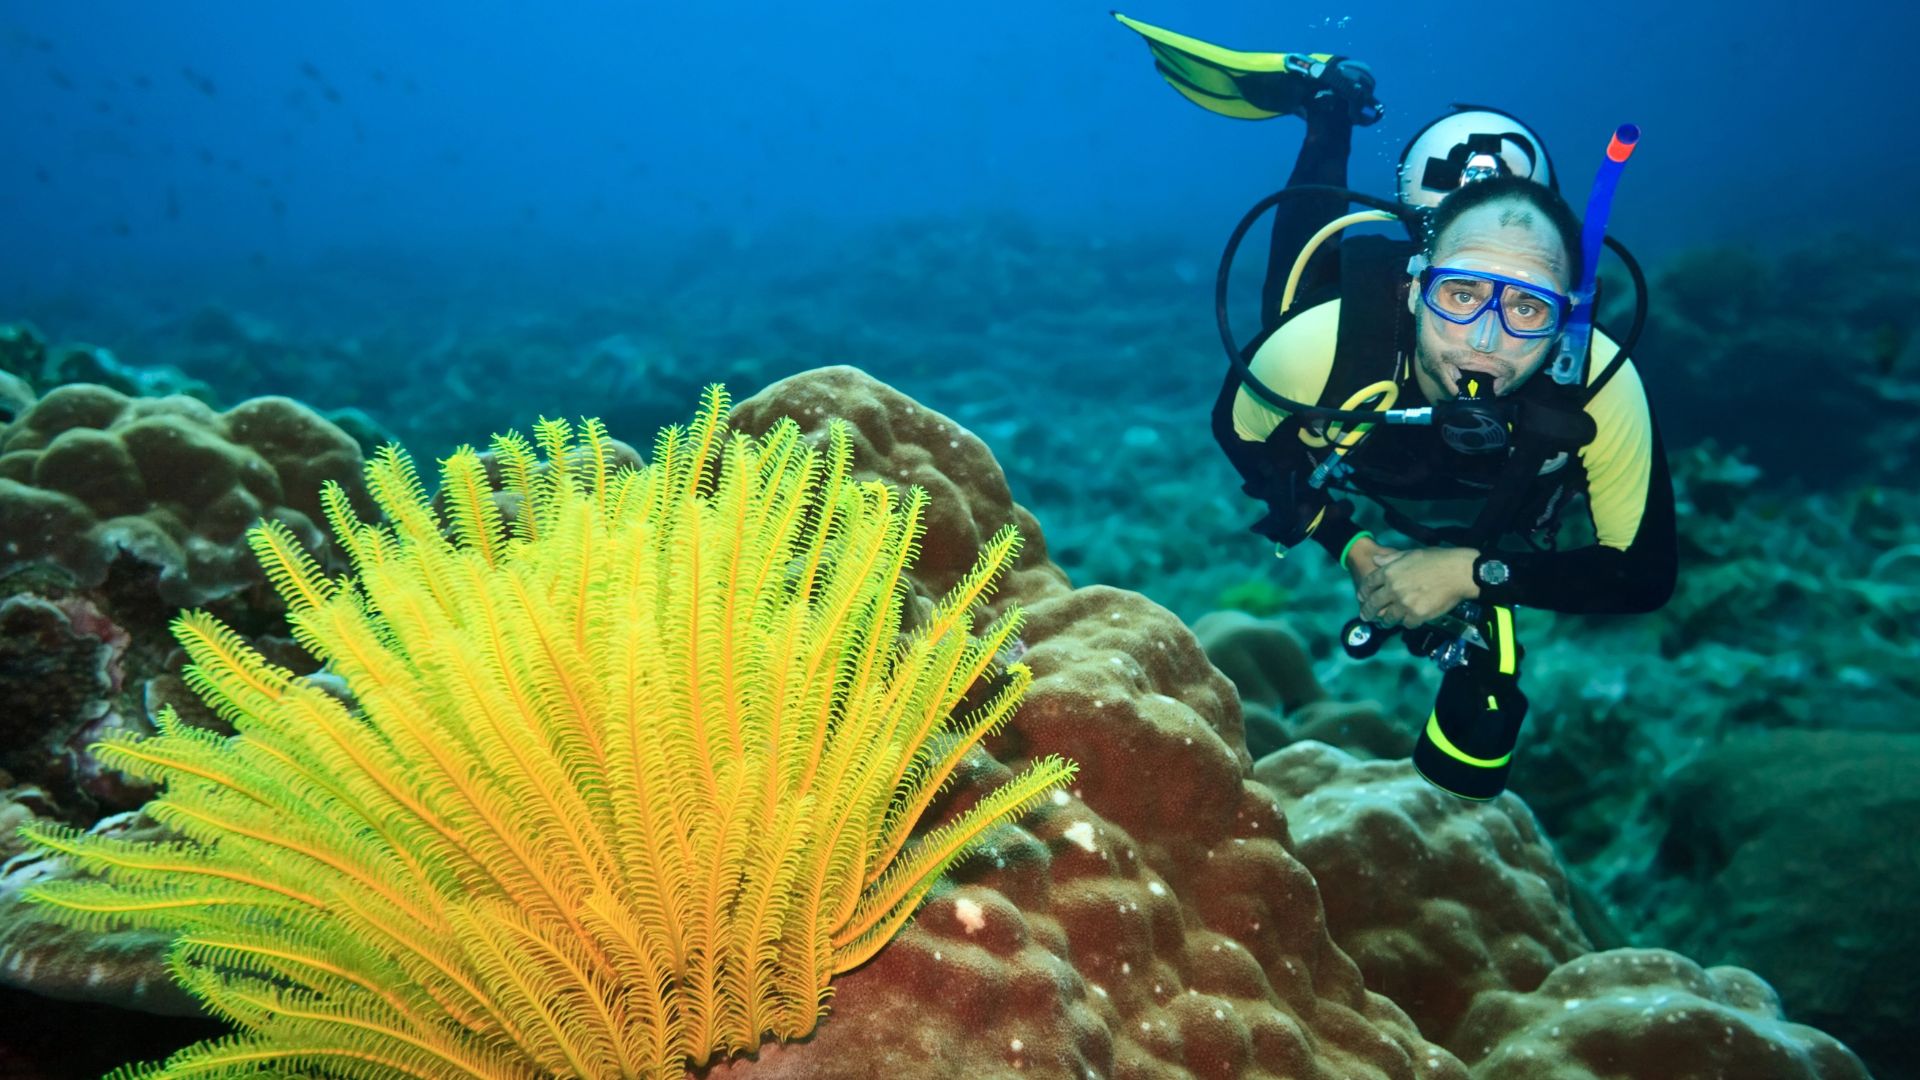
(1490, 293)
(1473, 142)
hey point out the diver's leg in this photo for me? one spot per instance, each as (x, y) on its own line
(1322, 161)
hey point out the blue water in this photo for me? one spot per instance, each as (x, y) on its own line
(148, 136)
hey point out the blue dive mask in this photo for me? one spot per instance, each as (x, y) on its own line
(1461, 296)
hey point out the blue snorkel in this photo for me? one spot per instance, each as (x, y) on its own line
(1570, 365)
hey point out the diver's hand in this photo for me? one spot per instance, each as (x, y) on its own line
(1361, 556)
(1412, 588)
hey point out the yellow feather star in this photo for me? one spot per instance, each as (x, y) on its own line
(622, 787)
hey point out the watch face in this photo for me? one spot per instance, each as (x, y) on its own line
(1493, 572)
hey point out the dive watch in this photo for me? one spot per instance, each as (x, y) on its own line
(1490, 571)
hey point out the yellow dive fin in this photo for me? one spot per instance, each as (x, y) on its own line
(1243, 85)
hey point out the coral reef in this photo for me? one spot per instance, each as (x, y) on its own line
(1173, 911)
(1281, 697)
(1645, 1013)
(62, 671)
(89, 475)
(1732, 332)
(623, 785)
(123, 966)
(25, 355)
(1144, 926)
(1438, 899)
(1112, 689)
(1461, 912)
(1795, 620)
(115, 512)
(1797, 608)
(1793, 854)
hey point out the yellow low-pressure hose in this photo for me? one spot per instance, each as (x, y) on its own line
(1313, 245)
(1338, 433)
(1342, 437)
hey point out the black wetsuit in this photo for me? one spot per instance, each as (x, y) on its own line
(1622, 473)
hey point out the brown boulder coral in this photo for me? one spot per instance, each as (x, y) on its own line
(901, 441)
(1460, 912)
(1157, 923)
(114, 512)
(1438, 899)
(1646, 1013)
(1282, 700)
(87, 473)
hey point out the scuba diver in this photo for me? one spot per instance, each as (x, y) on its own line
(1455, 379)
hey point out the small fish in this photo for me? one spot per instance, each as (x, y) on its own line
(199, 82)
(327, 89)
(59, 79)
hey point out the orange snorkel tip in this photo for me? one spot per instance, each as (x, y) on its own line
(1625, 137)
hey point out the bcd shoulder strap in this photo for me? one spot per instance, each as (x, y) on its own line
(1374, 329)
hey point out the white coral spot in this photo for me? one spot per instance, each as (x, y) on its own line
(1081, 833)
(970, 913)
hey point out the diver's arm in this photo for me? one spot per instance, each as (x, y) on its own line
(1633, 567)
(1264, 446)
(1275, 471)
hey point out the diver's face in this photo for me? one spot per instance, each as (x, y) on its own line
(1511, 238)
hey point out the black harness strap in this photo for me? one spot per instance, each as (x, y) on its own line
(1375, 333)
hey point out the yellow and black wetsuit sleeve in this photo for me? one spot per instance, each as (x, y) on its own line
(1633, 567)
(1263, 441)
